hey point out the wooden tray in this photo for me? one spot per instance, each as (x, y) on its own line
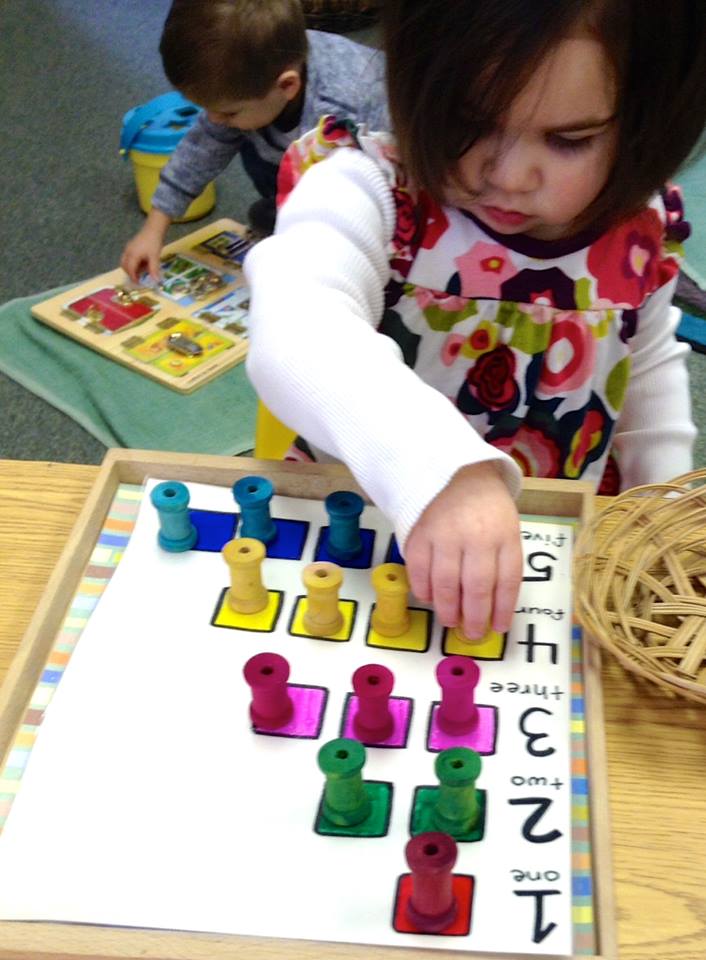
(22, 941)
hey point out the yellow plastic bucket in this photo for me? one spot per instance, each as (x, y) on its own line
(150, 135)
(146, 168)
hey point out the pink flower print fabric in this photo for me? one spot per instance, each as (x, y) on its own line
(531, 340)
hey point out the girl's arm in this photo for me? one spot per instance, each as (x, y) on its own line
(655, 434)
(318, 362)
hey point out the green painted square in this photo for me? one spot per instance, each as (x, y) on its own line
(421, 821)
(376, 824)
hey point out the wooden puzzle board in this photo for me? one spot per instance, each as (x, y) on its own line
(156, 665)
(202, 296)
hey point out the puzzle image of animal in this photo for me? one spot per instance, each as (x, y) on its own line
(260, 732)
(202, 286)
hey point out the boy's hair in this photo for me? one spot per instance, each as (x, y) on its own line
(222, 49)
(455, 67)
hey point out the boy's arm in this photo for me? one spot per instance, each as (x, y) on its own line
(203, 153)
(143, 251)
(317, 360)
(655, 434)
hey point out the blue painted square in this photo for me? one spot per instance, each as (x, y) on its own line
(579, 786)
(214, 529)
(581, 887)
(576, 632)
(577, 705)
(290, 539)
(393, 552)
(113, 540)
(363, 559)
(51, 676)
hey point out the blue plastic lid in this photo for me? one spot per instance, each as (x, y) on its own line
(159, 125)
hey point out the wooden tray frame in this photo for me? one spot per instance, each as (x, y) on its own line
(57, 941)
(51, 313)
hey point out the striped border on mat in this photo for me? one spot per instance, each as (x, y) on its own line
(581, 872)
(105, 557)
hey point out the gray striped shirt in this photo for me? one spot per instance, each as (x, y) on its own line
(343, 78)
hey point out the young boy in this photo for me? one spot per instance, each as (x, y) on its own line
(263, 80)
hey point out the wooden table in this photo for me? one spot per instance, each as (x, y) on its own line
(656, 746)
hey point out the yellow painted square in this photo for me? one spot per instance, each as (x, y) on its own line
(583, 914)
(262, 622)
(25, 739)
(416, 639)
(578, 726)
(347, 608)
(155, 349)
(489, 647)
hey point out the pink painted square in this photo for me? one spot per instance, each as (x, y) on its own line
(401, 710)
(307, 719)
(481, 738)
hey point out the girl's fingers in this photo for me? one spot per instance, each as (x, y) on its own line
(478, 583)
(418, 560)
(508, 585)
(446, 585)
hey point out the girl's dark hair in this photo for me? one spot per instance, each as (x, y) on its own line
(455, 67)
(218, 49)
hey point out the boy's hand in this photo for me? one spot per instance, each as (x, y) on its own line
(142, 253)
(464, 554)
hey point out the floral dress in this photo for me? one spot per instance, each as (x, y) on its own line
(530, 339)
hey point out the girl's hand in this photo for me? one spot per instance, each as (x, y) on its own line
(464, 554)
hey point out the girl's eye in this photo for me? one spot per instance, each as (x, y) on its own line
(569, 144)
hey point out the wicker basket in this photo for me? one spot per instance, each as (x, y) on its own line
(340, 16)
(640, 582)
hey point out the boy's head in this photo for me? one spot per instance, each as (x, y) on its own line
(446, 104)
(242, 60)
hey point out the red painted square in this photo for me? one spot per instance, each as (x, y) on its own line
(115, 315)
(462, 886)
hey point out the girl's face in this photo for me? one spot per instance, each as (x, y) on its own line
(550, 157)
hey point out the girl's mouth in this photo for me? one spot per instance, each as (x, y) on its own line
(506, 218)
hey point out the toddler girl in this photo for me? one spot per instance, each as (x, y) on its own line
(489, 294)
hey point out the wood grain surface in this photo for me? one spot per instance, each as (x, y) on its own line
(656, 753)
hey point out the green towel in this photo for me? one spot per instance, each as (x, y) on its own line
(119, 407)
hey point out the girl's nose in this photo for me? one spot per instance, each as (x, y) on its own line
(510, 166)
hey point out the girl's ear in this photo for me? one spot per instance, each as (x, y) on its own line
(289, 83)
